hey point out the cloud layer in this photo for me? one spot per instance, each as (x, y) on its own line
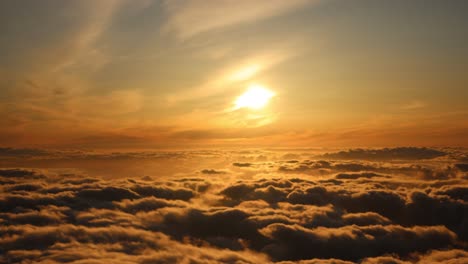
(257, 208)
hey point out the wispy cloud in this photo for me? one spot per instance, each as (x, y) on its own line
(192, 17)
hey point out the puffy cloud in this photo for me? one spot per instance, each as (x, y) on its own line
(164, 192)
(457, 192)
(222, 227)
(424, 209)
(454, 256)
(384, 260)
(147, 204)
(409, 153)
(365, 219)
(352, 242)
(317, 261)
(18, 173)
(462, 166)
(243, 192)
(242, 164)
(47, 215)
(17, 152)
(354, 176)
(67, 243)
(107, 194)
(449, 256)
(212, 171)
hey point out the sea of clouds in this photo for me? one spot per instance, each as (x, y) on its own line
(400, 205)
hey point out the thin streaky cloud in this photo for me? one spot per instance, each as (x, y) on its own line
(193, 17)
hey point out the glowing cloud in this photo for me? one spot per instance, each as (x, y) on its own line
(245, 73)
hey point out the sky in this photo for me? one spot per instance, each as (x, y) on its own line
(170, 74)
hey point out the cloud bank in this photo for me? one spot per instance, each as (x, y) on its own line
(269, 211)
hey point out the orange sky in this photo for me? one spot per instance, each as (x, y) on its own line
(169, 74)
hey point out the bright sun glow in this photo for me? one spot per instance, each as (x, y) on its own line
(255, 97)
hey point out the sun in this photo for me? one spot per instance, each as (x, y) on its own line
(256, 97)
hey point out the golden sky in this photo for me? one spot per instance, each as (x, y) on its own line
(182, 74)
